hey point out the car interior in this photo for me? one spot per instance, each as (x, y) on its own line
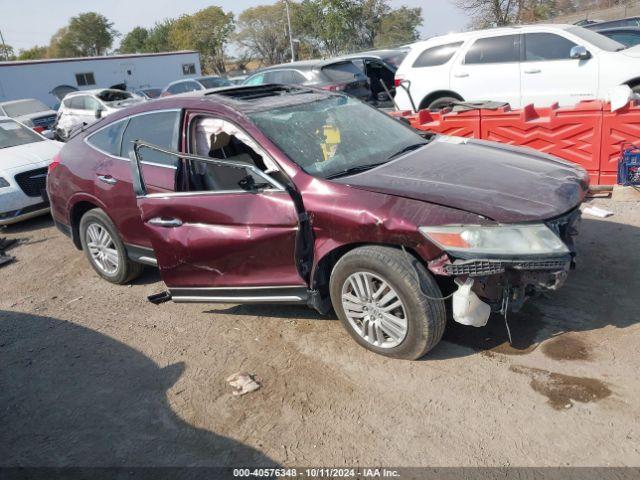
(219, 139)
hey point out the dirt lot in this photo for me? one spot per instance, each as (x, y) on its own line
(93, 374)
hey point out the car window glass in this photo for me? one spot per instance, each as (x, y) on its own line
(178, 88)
(91, 104)
(160, 129)
(24, 107)
(257, 79)
(546, 46)
(342, 72)
(336, 134)
(502, 49)
(626, 38)
(191, 86)
(296, 77)
(439, 55)
(13, 134)
(108, 139)
(77, 103)
(219, 139)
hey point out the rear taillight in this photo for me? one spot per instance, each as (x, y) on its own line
(397, 81)
(54, 163)
(337, 87)
(39, 129)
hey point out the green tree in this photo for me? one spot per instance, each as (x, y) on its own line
(33, 53)
(61, 45)
(398, 27)
(135, 41)
(6, 52)
(159, 38)
(207, 31)
(87, 34)
(262, 31)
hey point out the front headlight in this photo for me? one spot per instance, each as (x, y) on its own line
(509, 240)
(3, 183)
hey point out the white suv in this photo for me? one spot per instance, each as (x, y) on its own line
(539, 64)
(87, 106)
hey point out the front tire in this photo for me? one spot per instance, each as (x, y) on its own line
(104, 248)
(381, 297)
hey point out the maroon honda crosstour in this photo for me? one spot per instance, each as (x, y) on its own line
(274, 194)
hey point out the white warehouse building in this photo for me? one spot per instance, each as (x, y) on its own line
(42, 78)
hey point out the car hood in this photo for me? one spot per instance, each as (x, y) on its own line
(500, 182)
(15, 158)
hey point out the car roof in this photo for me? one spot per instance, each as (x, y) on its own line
(242, 99)
(489, 32)
(303, 64)
(382, 53)
(93, 91)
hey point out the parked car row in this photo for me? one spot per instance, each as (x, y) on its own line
(368, 76)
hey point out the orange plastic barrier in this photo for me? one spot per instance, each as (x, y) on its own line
(458, 124)
(572, 133)
(588, 134)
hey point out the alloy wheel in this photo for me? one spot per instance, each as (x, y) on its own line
(374, 310)
(102, 248)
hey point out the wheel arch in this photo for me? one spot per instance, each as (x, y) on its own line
(426, 101)
(324, 266)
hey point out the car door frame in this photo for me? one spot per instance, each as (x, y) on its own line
(459, 71)
(232, 294)
(533, 68)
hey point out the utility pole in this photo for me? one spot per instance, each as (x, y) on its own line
(293, 52)
(4, 47)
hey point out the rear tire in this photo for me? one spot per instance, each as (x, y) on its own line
(417, 322)
(104, 248)
(442, 102)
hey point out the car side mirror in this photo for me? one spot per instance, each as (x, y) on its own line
(579, 52)
(98, 113)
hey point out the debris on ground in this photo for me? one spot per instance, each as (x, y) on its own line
(597, 212)
(243, 383)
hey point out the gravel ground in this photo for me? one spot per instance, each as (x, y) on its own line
(92, 374)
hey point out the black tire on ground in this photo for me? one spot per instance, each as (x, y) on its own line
(426, 318)
(127, 269)
(442, 102)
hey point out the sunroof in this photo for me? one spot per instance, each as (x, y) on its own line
(256, 92)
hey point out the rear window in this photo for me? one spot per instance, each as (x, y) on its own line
(24, 108)
(342, 72)
(395, 59)
(214, 82)
(13, 134)
(114, 96)
(108, 139)
(502, 49)
(439, 55)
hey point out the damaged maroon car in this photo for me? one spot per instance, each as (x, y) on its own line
(276, 194)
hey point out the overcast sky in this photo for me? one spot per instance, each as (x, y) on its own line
(25, 23)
